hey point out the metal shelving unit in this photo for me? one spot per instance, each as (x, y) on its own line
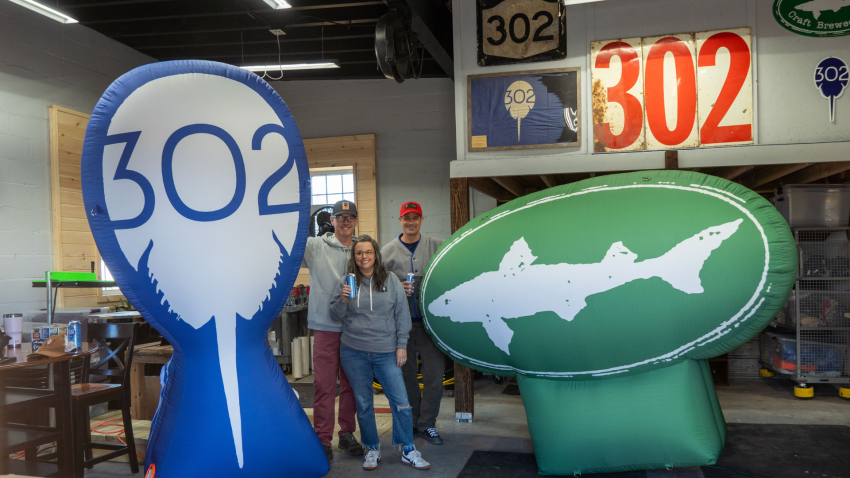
(817, 313)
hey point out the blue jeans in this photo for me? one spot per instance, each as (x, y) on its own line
(360, 367)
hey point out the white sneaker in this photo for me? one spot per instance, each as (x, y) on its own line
(414, 458)
(373, 457)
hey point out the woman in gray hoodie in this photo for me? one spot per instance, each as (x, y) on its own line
(375, 329)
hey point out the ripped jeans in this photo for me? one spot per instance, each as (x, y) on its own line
(360, 367)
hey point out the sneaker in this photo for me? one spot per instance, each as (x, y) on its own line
(414, 458)
(431, 436)
(329, 451)
(373, 457)
(350, 445)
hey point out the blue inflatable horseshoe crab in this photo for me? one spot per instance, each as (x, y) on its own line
(605, 298)
(195, 183)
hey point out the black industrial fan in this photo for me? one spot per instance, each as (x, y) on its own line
(320, 221)
(397, 48)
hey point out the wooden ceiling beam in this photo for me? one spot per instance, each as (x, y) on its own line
(816, 171)
(809, 174)
(549, 180)
(732, 172)
(512, 184)
(766, 174)
(491, 188)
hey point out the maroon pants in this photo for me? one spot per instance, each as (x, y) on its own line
(325, 370)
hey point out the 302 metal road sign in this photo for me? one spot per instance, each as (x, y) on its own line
(672, 91)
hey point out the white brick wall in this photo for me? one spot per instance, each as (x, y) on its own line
(42, 62)
(414, 127)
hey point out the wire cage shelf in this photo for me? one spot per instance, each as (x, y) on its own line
(815, 347)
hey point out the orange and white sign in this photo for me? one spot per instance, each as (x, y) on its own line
(617, 95)
(670, 90)
(725, 78)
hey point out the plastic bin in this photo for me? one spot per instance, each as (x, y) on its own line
(814, 205)
(779, 351)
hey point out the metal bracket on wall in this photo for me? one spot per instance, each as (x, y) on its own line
(463, 417)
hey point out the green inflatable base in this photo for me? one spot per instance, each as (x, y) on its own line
(661, 419)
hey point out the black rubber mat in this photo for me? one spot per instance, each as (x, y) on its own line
(306, 393)
(778, 451)
(760, 451)
(511, 389)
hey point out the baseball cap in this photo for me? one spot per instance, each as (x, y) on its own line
(410, 206)
(53, 346)
(345, 207)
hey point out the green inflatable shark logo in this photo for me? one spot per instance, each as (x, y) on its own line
(679, 267)
(605, 298)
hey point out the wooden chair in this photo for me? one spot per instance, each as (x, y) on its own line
(38, 378)
(86, 394)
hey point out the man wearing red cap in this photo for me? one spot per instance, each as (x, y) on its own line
(410, 252)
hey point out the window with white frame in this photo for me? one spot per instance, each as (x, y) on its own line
(106, 275)
(330, 188)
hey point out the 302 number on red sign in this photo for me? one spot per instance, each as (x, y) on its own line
(672, 91)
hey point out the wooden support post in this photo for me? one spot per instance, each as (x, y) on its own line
(671, 160)
(464, 384)
(138, 408)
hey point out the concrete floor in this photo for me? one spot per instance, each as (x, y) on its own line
(500, 425)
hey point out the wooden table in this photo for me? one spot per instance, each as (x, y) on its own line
(16, 437)
(142, 354)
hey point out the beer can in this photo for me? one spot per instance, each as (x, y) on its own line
(412, 279)
(351, 280)
(75, 333)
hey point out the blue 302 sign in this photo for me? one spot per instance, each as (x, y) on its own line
(196, 187)
(831, 78)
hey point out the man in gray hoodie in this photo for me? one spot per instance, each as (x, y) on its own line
(327, 258)
(410, 252)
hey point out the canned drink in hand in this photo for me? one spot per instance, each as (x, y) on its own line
(412, 279)
(351, 280)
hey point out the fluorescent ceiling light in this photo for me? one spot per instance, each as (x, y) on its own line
(291, 66)
(278, 4)
(576, 2)
(46, 11)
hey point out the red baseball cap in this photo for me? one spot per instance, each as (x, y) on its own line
(410, 206)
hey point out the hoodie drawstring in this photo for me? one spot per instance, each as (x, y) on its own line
(370, 295)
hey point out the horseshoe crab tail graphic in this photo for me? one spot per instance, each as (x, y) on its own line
(226, 338)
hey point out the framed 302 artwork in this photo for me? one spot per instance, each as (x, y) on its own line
(524, 110)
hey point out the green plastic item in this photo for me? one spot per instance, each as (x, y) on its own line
(61, 276)
(605, 297)
(660, 419)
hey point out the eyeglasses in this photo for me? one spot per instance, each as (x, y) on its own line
(346, 219)
(364, 253)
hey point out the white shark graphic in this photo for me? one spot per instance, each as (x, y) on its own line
(564, 288)
(818, 6)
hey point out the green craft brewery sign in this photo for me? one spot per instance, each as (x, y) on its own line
(814, 18)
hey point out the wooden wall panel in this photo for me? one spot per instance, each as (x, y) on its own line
(355, 152)
(73, 244)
